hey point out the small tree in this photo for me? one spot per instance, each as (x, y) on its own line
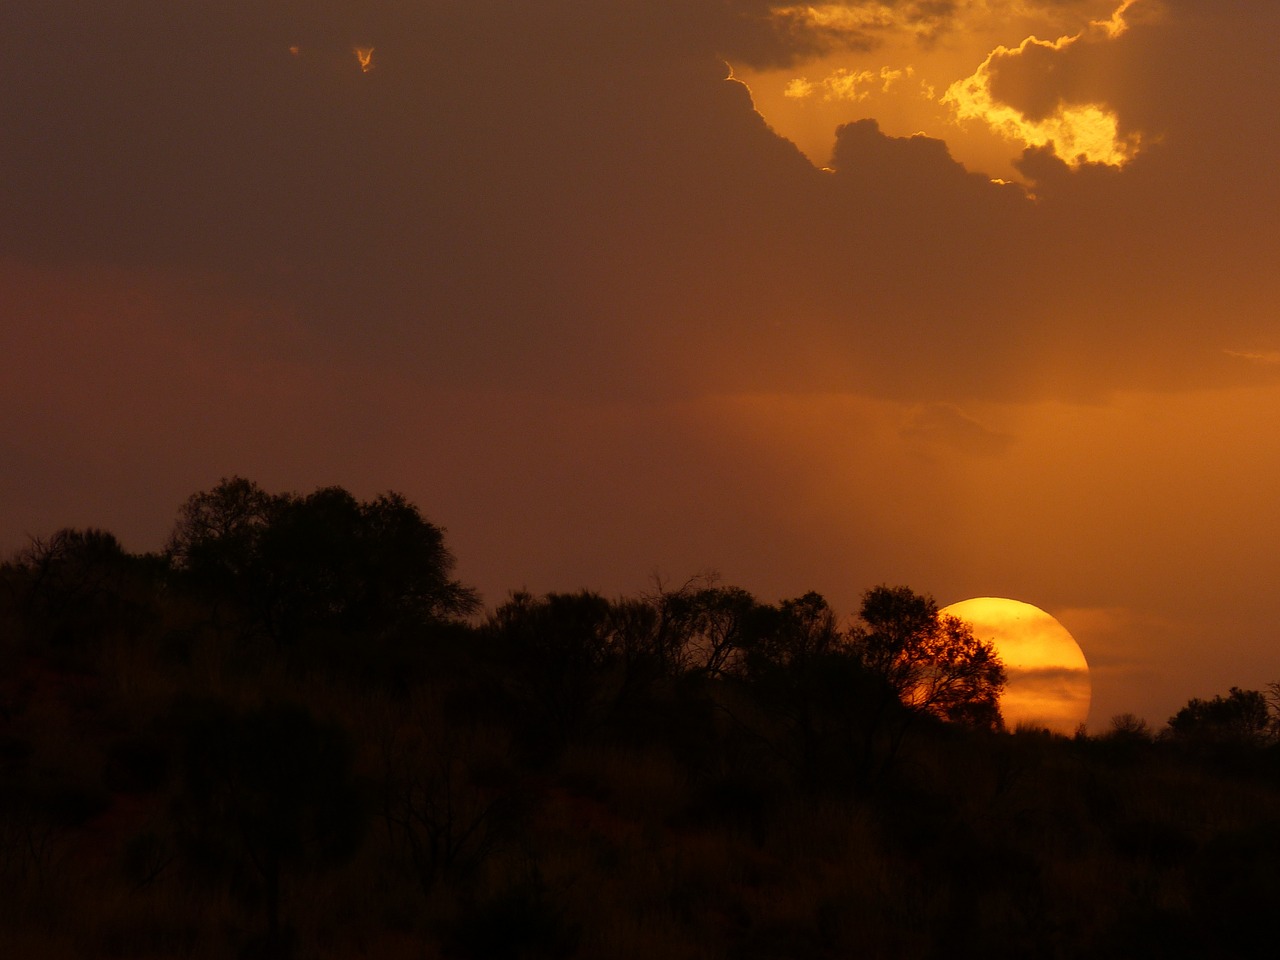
(1129, 728)
(556, 649)
(795, 633)
(448, 799)
(711, 625)
(76, 588)
(1241, 717)
(817, 701)
(932, 662)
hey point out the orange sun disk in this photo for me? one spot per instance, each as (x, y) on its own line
(1048, 674)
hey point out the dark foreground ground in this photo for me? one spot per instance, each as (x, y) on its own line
(178, 804)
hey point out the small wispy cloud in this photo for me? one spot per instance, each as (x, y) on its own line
(847, 84)
(948, 425)
(1255, 356)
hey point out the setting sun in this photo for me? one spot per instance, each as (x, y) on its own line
(1048, 674)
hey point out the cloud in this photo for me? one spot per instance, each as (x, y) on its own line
(1255, 356)
(574, 199)
(1045, 680)
(859, 25)
(557, 242)
(1057, 698)
(848, 84)
(1037, 94)
(950, 427)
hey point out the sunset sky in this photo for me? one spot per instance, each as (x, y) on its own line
(975, 296)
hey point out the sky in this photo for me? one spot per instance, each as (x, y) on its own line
(975, 296)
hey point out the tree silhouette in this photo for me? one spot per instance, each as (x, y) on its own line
(932, 662)
(792, 634)
(77, 587)
(1241, 717)
(447, 799)
(327, 563)
(1129, 728)
(556, 649)
(711, 626)
(918, 664)
(218, 531)
(814, 690)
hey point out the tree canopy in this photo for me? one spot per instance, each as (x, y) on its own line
(931, 661)
(321, 562)
(1242, 716)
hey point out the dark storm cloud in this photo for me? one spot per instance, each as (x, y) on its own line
(498, 178)
(1176, 241)
(572, 197)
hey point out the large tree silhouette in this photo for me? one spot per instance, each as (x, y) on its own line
(290, 565)
(931, 661)
(925, 665)
(818, 703)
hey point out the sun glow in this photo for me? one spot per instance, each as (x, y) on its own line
(1076, 132)
(1087, 133)
(961, 73)
(1048, 673)
(1116, 24)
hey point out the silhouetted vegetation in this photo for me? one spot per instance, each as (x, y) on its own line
(293, 733)
(1241, 717)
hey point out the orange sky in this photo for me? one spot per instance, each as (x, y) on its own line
(543, 269)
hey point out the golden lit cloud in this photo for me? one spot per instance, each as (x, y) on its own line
(854, 22)
(839, 74)
(365, 57)
(1076, 132)
(1088, 133)
(798, 89)
(1116, 24)
(848, 84)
